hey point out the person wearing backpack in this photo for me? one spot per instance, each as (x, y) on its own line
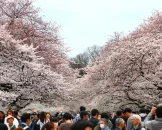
(25, 121)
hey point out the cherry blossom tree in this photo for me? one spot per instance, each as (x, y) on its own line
(128, 74)
(29, 78)
(34, 65)
(22, 20)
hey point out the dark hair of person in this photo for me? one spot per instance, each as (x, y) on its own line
(94, 112)
(49, 126)
(159, 111)
(83, 113)
(15, 113)
(53, 119)
(119, 113)
(135, 112)
(3, 114)
(3, 126)
(25, 117)
(127, 110)
(82, 108)
(81, 125)
(147, 111)
(142, 110)
(104, 115)
(67, 116)
(42, 116)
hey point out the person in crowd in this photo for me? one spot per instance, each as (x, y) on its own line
(136, 121)
(94, 117)
(82, 108)
(115, 116)
(68, 122)
(84, 115)
(82, 125)
(58, 113)
(142, 114)
(42, 120)
(49, 126)
(155, 124)
(10, 125)
(61, 120)
(3, 126)
(48, 116)
(120, 124)
(10, 113)
(15, 115)
(106, 116)
(54, 120)
(104, 124)
(34, 119)
(99, 117)
(124, 117)
(128, 114)
(2, 117)
(25, 121)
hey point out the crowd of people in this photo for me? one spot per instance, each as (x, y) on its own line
(84, 120)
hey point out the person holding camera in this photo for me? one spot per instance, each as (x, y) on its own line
(155, 124)
(34, 118)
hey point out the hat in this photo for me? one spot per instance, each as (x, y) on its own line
(8, 117)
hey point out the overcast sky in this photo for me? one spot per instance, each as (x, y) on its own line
(90, 22)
